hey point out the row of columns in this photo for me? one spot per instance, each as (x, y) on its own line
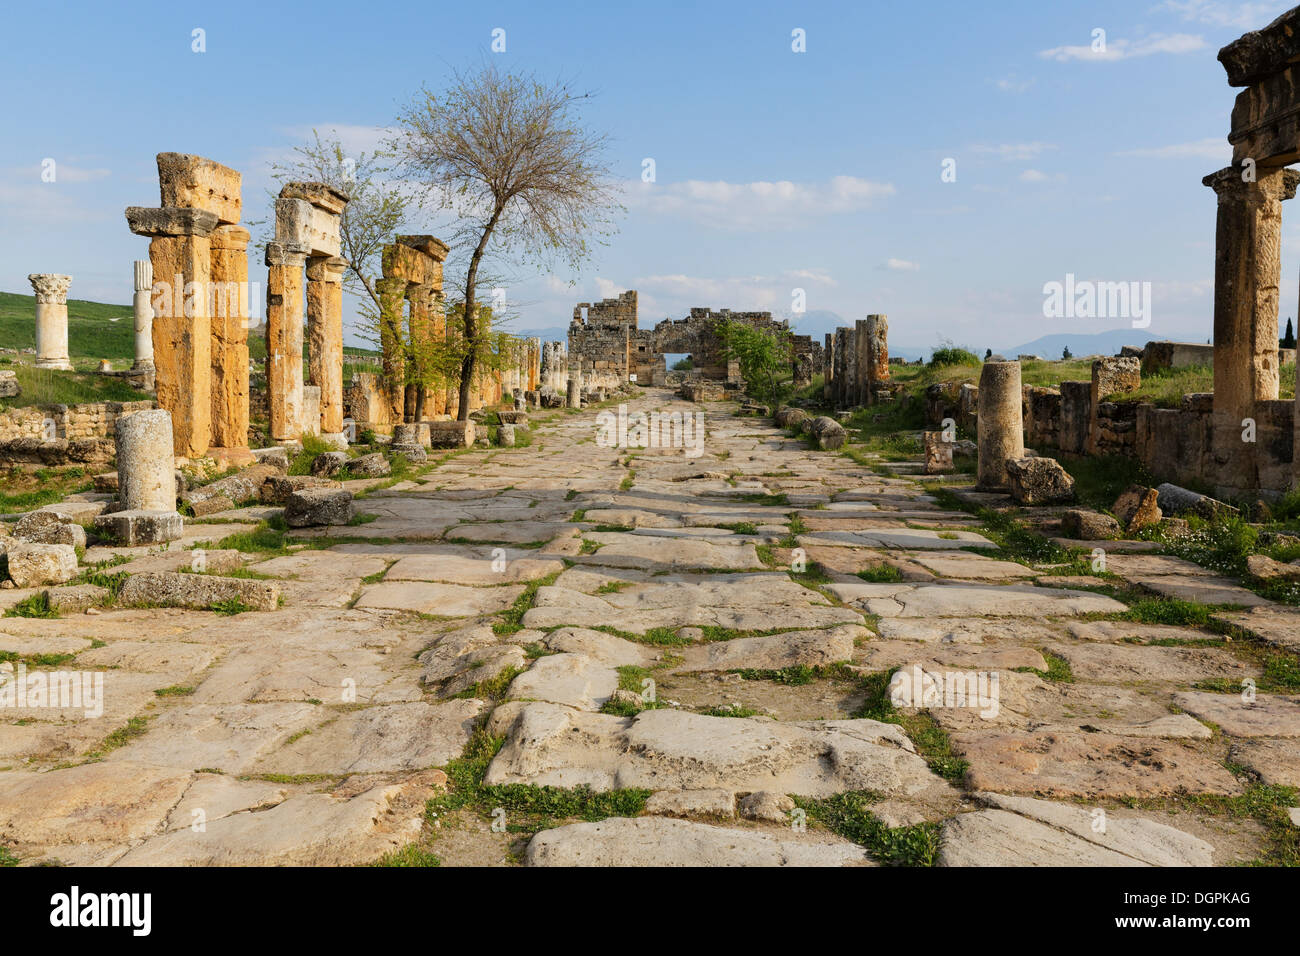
(857, 359)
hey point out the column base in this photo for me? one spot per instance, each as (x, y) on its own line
(336, 440)
(63, 365)
(230, 457)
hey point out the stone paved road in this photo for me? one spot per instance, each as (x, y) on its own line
(627, 622)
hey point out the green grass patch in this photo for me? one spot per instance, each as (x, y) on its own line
(849, 815)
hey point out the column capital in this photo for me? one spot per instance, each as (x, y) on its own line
(1277, 183)
(326, 268)
(51, 287)
(143, 275)
(286, 254)
(170, 221)
(391, 286)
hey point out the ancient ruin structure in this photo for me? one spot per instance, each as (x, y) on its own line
(142, 310)
(198, 255)
(1265, 138)
(307, 219)
(856, 363)
(1000, 426)
(413, 321)
(51, 319)
(609, 349)
(146, 481)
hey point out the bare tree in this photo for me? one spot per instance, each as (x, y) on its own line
(508, 157)
(377, 209)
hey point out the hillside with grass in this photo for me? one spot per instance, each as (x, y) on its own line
(96, 330)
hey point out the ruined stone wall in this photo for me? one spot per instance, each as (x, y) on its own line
(89, 420)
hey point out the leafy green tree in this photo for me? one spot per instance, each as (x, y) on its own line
(763, 353)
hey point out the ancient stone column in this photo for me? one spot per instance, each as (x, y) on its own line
(999, 425)
(861, 364)
(325, 342)
(180, 251)
(143, 310)
(146, 471)
(146, 481)
(1247, 272)
(229, 306)
(877, 335)
(284, 321)
(420, 330)
(392, 295)
(573, 396)
(51, 319)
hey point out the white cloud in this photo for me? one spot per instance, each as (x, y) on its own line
(1126, 49)
(1214, 148)
(1241, 16)
(900, 265)
(743, 205)
(1034, 176)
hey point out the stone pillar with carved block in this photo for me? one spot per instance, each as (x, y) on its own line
(325, 342)
(229, 307)
(180, 251)
(284, 338)
(1247, 276)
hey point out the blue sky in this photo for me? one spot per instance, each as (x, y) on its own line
(775, 170)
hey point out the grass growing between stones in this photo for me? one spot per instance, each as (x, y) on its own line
(881, 574)
(1263, 803)
(528, 808)
(512, 618)
(7, 857)
(931, 740)
(411, 855)
(849, 815)
(1058, 669)
(37, 605)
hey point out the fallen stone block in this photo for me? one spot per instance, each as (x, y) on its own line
(50, 527)
(1083, 525)
(75, 598)
(224, 493)
(276, 490)
(32, 565)
(451, 434)
(200, 591)
(322, 466)
(1174, 500)
(132, 528)
(412, 451)
(318, 506)
(1039, 481)
(788, 417)
(374, 465)
(513, 417)
(1137, 507)
(826, 433)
